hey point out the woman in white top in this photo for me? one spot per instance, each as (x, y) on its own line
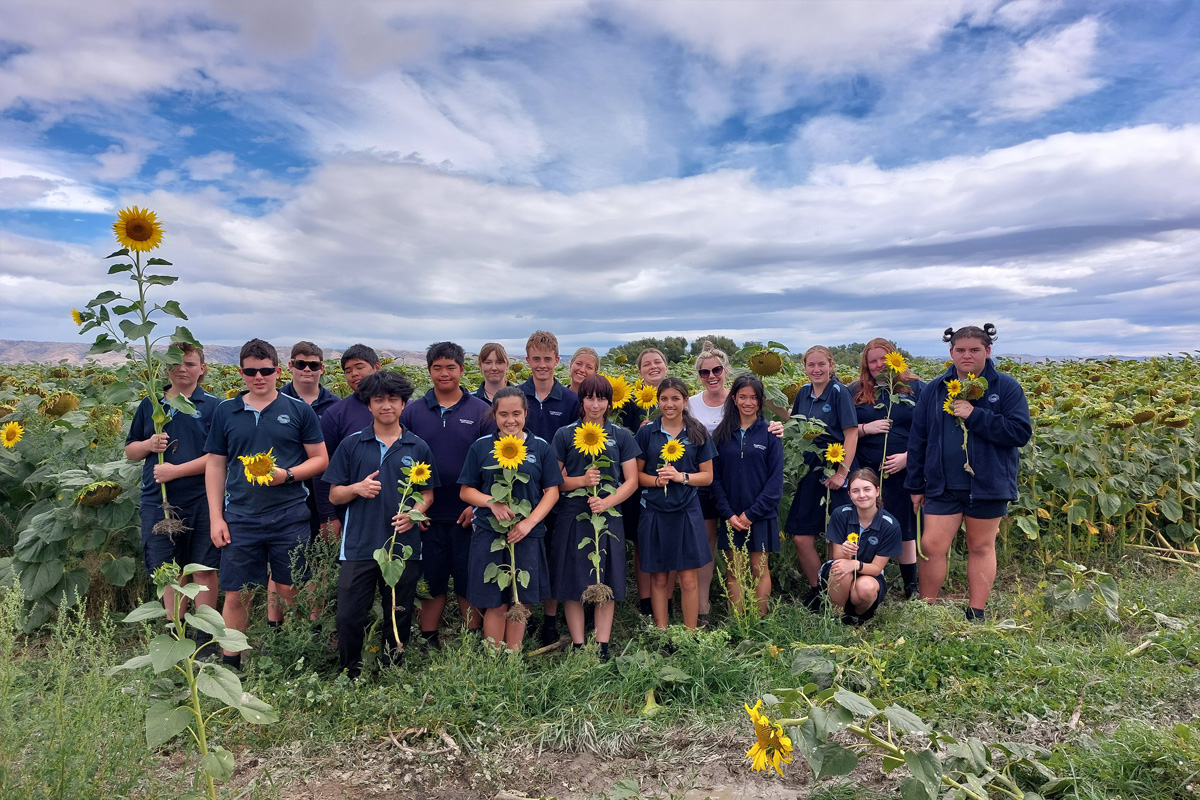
(708, 406)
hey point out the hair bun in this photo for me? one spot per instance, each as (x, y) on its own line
(947, 334)
(989, 329)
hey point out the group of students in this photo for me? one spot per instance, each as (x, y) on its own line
(680, 480)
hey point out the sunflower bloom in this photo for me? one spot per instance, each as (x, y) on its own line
(260, 467)
(646, 396)
(138, 229)
(11, 433)
(509, 452)
(896, 362)
(835, 453)
(419, 474)
(75, 315)
(954, 387)
(672, 451)
(773, 747)
(589, 439)
(852, 539)
(621, 390)
(948, 406)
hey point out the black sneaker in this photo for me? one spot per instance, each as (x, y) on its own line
(911, 590)
(853, 620)
(975, 615)
(814, 601)
(550, 634)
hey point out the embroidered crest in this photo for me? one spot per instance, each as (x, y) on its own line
(407, 461)
(283, 419)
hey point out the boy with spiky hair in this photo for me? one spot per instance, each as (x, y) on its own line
(348, 415)
(551, 406)
(450, 419)
(182, 472)
(364, 476)
(260, 526)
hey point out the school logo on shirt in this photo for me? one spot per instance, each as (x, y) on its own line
(993, 398)
(467, 421)
(555, 413)
(760, 447)
(283, 419)
(873, 539)
(531, 458)
(407, 461)
(826, 408)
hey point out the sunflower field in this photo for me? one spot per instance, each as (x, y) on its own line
(1112, 465)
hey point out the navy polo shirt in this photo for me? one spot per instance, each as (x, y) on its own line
(834, 407)
(482, 395)
(285, 426)
(188, 433)
(880, 538)
(870, 446)
(367, 523)
(449, 432)
(748, 474)
(346, 416)
(540, 465)
(619, 447)
(650, 439)
(560, 408)
(325, 400)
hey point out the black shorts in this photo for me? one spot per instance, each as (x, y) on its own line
(959, 501)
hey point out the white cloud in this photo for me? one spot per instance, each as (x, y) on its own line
(210, 167)
(1019, 14)
(1048, 71)
(117, 164)
(27, 180)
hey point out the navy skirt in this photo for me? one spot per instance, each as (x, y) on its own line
(571, 571)
(763, 536)
(531, 557)
(669, 540)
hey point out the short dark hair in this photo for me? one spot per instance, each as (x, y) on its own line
(384, 384)
(307, 349)
(445, 350)
(595, 385)
(258, 348)
(187, 348)
(509, 391)
(362, 353)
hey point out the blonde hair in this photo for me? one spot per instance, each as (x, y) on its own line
(710, 350)
(819, 348)
(586, 351)
(493, 348)
(541, 340)
(647, 352)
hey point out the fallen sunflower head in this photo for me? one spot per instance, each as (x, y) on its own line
(773, 747)
(509, 452)
(260, 467)
(100, 493)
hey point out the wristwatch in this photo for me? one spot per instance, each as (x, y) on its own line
(687, 478)
(290, 477)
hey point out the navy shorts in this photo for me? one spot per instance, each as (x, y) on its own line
(257, 543)
(808, 512)
(870, 612)
(958, 501)
(708, 504)
(445, 547)
(193, 546)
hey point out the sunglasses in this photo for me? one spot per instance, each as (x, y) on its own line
(315, 366)
(250, 372)
(717, 370)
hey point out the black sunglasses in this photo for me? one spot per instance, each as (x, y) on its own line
(717, 370)
(315, 366)
(250, 372)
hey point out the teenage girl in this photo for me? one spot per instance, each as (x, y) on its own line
(826, 399)
(998, 425)
(871, 397)
(571, 572)
(671, 529)
(586, 361)
(854, 572)
(493, 363)
(541, 490)
(747, 486)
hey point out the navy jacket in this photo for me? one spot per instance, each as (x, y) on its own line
(188, 434)
(367, 524)
(748, 474)
(999, 426)
(559, 409)
(320, 490)
(449, 432)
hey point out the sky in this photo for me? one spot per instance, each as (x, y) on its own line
(814, 172)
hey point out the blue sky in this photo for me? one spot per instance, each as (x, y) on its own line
(810, 172)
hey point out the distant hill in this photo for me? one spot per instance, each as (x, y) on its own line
(75, 353)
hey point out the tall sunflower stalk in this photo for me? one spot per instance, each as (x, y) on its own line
(972, 388)
(510, 454)
(127, 325)
(392, 568)
(590, 440)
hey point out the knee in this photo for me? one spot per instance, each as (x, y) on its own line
(659, 580)
(986, 549)
(865, 591)
(688, 581)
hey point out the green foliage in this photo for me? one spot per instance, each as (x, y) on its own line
(720, 342)
(675, 348)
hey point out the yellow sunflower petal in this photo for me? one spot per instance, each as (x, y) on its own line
(896, 362)
(835, 453)
(75, 315)
(621, 390)
(646, 396)
(419, 474)
(672, 450)
(11, 433)
(509, 452)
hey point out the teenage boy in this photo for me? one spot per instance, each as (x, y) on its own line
(182, 472)
(308, 365)
(551, 406)
(348, 415)
(450, 419)
(260, 528)
(364, 475)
